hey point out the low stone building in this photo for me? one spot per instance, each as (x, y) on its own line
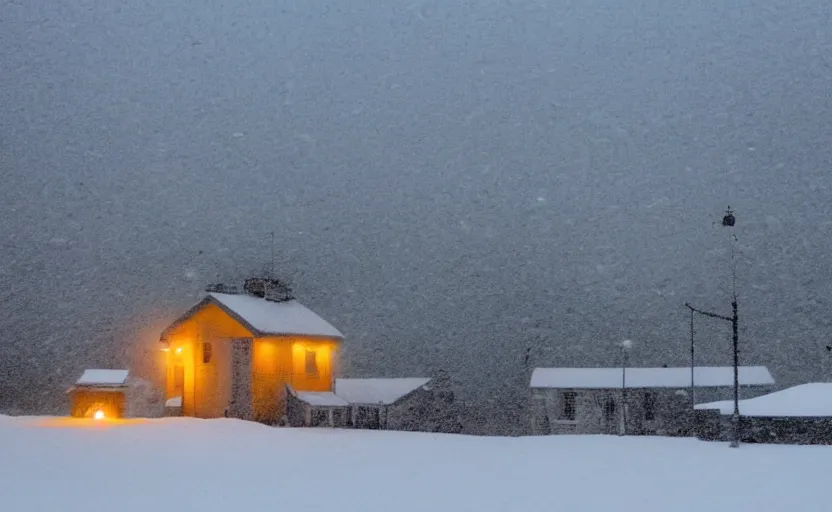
(796, 415)
(412, 404)
(632, 401)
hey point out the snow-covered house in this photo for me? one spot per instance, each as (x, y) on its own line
(415, 404)
(100, 394)
(233, 354)
(658, 401)
(797, 415)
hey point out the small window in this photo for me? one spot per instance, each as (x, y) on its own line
(609, 408)
(368, 417)
(319, 418)
(311, 363)
(568, 405)
(340, 417)
(207, 353)
(649, 406)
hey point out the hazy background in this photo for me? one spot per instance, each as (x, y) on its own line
(449, 183)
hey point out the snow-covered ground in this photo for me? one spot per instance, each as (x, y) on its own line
(228, 465)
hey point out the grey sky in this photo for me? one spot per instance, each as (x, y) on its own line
(448, 184)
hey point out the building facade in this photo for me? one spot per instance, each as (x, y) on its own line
(233, 354)
(631, 401)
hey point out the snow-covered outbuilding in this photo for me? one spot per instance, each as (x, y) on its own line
(797, 415)
(653, 401)
(233, 354)
(100, 394)
(418, 404)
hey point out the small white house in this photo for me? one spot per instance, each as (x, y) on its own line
(636, 401)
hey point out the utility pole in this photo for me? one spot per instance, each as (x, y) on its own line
(625, 362)
(692, 365)
(728, 221)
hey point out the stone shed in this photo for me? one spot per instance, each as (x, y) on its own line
(414, 404)
(632, 401)
(796, 415)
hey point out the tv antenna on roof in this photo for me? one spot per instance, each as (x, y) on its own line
(273, 258)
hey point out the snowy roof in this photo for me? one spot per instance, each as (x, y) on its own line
(806, 400)
(322, 398)
(375, 391)
(268, 317)
(608, 378)
(103, 378)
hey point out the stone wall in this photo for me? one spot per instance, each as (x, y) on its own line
(711, 425)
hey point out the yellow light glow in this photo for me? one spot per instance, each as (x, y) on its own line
(165, 349)
(99, 415)
(179, 350)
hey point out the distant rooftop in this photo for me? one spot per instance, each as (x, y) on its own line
(679, 377)
(103, 378)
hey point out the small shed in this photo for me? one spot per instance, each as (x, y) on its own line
(99, 394)
(797, 415)
(377, 404)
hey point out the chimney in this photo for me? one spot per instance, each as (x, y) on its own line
(255, 286)
(274, 290)
(221, 288)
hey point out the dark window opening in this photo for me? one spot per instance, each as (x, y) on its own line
(340, 417)
(319, 418)
(207, 353)
(368, 417)
(609, 409)
(569, 398)
(649, 406)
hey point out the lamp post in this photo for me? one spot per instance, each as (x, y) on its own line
(626, 345)
(728, 221)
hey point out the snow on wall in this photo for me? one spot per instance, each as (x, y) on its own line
(270, 317)
(679, 377)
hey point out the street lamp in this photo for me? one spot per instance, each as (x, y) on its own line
(626, 345)
(728, 221)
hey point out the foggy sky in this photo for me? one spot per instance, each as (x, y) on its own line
(448, 184)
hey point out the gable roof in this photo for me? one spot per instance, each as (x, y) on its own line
(377, 391)
(106, 378)
(679, 377)
(264, 317)
(813, 400)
